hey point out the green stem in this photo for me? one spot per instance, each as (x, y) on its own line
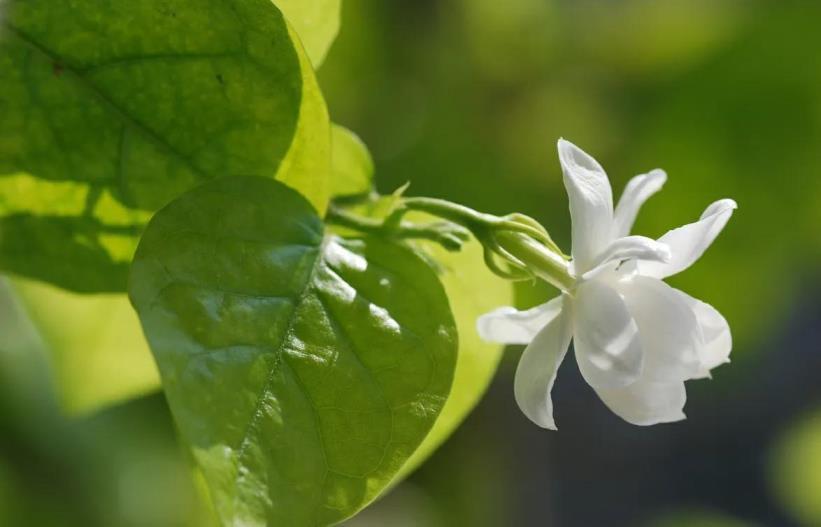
(477, 222)
(520, 241)
(450, 211)
(341, 217)
(447, 234)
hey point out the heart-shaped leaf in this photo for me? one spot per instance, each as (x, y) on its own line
(472, 291)
(125, 104)
(303, 369)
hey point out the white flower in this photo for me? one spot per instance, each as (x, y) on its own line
(636, 339)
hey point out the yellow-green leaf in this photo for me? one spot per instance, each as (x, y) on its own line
(316, 22)
(352, 166)
(97, 349)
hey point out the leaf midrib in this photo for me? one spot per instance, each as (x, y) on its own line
(276, 367)
(124, 115)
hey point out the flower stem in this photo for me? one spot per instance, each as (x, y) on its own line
(522, 244)
(445, 233)
(448, 210)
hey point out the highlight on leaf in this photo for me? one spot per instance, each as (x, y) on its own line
(303, 370)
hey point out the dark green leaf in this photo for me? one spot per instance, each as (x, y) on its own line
(472, 291)
(303, 369)
(126, 104)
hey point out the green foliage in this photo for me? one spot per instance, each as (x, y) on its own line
(316, 22)
(473, 290)
(124, 105)
(351, 163)
(302, 369)
(58, 231)
(757, 145)
(795, 468)
(119, 468)
(307, 166)
(97, 351)
(726, 102)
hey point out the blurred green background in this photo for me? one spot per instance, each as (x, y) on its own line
(466, 99)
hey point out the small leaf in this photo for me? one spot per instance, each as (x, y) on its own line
(316, 22)
(302, 369)
(352, 166)
(132, 103)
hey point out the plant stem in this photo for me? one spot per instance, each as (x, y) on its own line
(447, 234)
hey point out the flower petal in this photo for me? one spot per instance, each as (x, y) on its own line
(591, 203)
(647, 402)
(668, 330)
(507, 325)
(627, 248)
(605, 337)
(637, 191)
(717, 340)
(537, 369)
(689, 242)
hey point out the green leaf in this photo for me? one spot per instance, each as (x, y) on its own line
(95, 343)
(472, 291)
(352, 166)
(307, 166)
(126, 104)
(316, 22)
(302, 369)
(58, 231)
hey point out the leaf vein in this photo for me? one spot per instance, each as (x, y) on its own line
(160, 57)
(343, 333)
(266, 387)
(115, 108)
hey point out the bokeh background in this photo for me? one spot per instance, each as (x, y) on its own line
(466, 99)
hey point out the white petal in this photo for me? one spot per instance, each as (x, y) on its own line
(689, 242)
(605, 337)
(668, 331)
(637, 191)
(647, 402)
(507, 325)
(591, 204)
(627, 248)
(717, 340)
(537, 369)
